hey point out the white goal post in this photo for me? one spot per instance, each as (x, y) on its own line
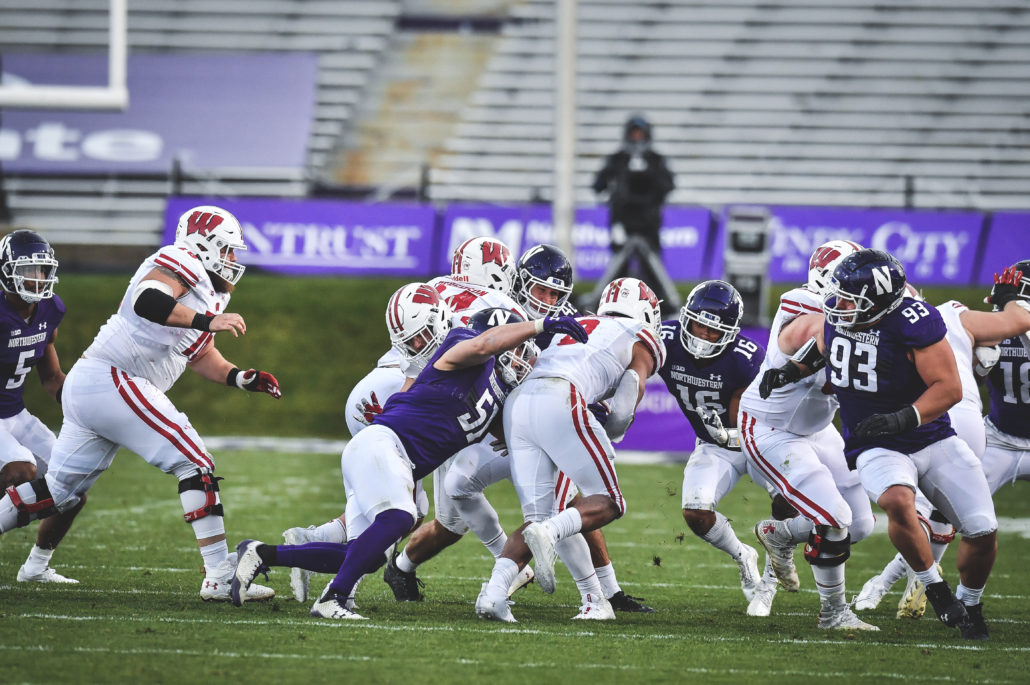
(114, 96)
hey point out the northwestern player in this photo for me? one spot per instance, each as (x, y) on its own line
(549, 431)
(452, 404)
(114, 396)
(895, 377)
(30, 313)
(789, 437)
(708, 367)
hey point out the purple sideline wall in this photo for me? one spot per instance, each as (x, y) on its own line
(1008, 241)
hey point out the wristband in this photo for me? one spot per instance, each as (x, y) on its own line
(230, 380)
(538, 325)
(201, 322)
(919, 417)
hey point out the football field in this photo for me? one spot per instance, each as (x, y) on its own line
(137, 617)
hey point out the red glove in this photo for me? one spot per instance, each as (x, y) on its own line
(368, 410)
(258, 381)
(1006, 287)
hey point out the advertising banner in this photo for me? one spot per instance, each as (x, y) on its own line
(684, 235)
(208, 110)
(327, 238)
(1007, 242)
(936, 248)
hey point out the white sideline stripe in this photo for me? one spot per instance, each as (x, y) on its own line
(558, 633)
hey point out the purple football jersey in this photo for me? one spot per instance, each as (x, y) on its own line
(1009, 387)
(708, 382)
(444, 411)
(25, 343)
(870, 373)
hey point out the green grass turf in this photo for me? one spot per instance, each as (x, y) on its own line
(137, 617)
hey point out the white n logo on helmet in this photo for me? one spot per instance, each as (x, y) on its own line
(498, 317)
(882, 280)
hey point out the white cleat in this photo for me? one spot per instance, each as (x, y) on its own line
(872, 593)
(47, 575)
(524, 578)
(541, 543)
(595, 608)
(300, 579)
(781, 553)
(331, 608)
(750, 576)
(842, 618)
(248, 565)
(761, 603)
(913, 601)
(217, 586)
(493, 610)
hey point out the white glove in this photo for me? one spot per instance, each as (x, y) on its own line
(725, 437)
(986, 358)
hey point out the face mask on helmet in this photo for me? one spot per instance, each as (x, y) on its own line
(633, 298)
(543, 281)
(716, 306)
(865, 287)
(213, 235)
(486, 262)
(1023, 289)
(514, 365)
(825, 259)
(28, 267)
(418, 321)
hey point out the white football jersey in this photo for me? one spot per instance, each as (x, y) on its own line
(596, 366)
(465, 299)
(804, 407)
(149, 350)
(962, 345)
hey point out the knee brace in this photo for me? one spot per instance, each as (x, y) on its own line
(822, 552)
(42, 507)
(941, 530)
(208, 484)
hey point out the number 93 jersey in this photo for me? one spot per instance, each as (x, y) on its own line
(871, 372)
(708, 382)
(25, 342)
(444, 411)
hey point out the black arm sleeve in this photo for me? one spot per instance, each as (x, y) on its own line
(154, 305)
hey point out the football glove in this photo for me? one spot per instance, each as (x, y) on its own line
(777, 378)
(1006, 288)
(498, 445)
(724, 437)
(887, 424)
(565, 325)
(258, 381)
(368, 409)
(986, 358)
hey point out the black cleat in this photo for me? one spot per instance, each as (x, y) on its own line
(620, 601)
(406, 587)
(974, 627)
(949, 610)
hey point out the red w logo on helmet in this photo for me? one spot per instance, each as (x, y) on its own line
(496, 253)
(202, 223)
(648, 294)
(425, 294)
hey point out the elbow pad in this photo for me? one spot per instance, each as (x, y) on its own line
(623, 406)
(153, 301)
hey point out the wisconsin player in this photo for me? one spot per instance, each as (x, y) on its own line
(549, 431)
(30, 314)
(708, 367)
(451, 404)
(114, 395)
(788, 436)
(896, 377)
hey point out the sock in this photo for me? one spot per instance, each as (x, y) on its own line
(929, 576)
(404, 562)
(721, 536)
(606, 576)
(565, 524)
(501, 578)
(481, 518)
(320, 557)
(332, 531)
(496, 546)
(894, 570)
(768, 575)
(366, 553)
(969, 596)
(575, 554)
(38, 560)
(829, 580)
(800, 528)
(214, 554)
(354, 591)
(938, 549)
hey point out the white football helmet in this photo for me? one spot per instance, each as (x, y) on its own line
(633, 298)
(486, 262)
(825, 259)
(212, 234)
(418, 321)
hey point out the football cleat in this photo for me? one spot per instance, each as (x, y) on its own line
(524, 578)
(950, 611)
(974, 627)
(872, 593)
(491, 609)
(761, 603)
(595, 608)
(913, 601)
(772, 534)
(541, 543)
(47, 575)
(620, 601)
(248, 565)
(842, 618)
(330, 607)
(750, 576)
(300, 579)
(406, 586)
(217, 586)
